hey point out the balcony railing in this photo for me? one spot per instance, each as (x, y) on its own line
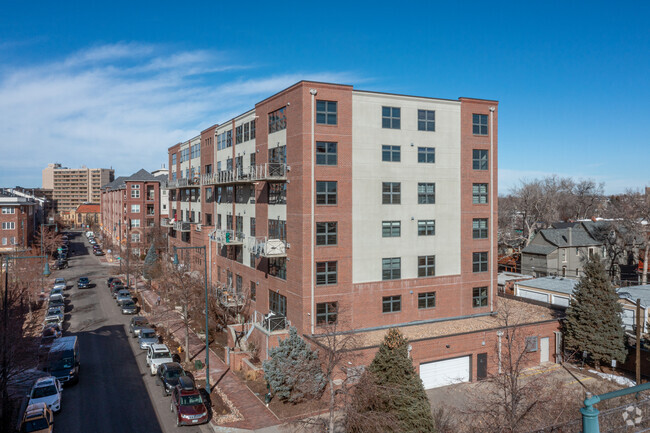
(229, 237)
(272, 172)
(271, 322)
(184, 183)
(166, 222)
(265, 247)
(182, 226)
(228, 297)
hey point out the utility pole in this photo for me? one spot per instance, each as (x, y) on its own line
(638, 341)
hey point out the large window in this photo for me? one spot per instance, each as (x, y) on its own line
(426, 227)
(326, 112)
(277, 193)
(278, 155)
(135, 237)
(426, 155)
(391, 304)
(9, 225)
(8, 210)
(135, 208)
(135, 191)
(173, 159)
(253, 286)
(326, 313)
(480, 262)
(325, 193)
(426, 300)
(135, 223)
(426, 193)
(278, 267)
(426, 266)
(391, 268)
(253, 226)
(390, 153)
(479, 124)
(390, 117)
(426, 120)
(325, 273)
(479, 159)
(479, 297)
(326, 153)
(247, 130)
(391, 229)
(480, 228)
(278, 120)
(277, 303)
(239, 134)
(326, 233)
(390, 193)
(278, 229)
(479, 193)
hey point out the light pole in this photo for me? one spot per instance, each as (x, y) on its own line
(205, 276)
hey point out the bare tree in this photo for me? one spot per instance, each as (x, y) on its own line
(633, 209)
(365, 394)
(50, 238)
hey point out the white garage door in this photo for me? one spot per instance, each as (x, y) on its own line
(445, 372)
(533, 295)
(560, 300)
(628, 319)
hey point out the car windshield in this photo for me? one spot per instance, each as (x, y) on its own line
(54, 311)
(83, 280)
(128, 303)
(35, 425)
(191, 400)
(160, 355)
(44, 391)
(59, 280)
(148, 334)
(49, 332)
(174, 373)
(60, 364)
(139, 322)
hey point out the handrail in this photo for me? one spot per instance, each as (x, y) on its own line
(590, 413)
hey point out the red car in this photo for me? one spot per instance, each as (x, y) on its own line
(188, 403)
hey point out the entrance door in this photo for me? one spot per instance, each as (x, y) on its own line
(543, 350)
(481, 366)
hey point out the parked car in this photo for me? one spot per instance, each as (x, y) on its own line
(56, 300)
(60, 283)
(122, 295)
(116, 289)
(54, 319)
(110, 280)
(92, 241)
(168, 375)
(47, 390)
(147, 337)
(37, 419)
(129, 307)
(83, 283)
(136, 324)
(157, 354)
(56, 291)
(188, 404)
(55, 311)
(50, 333)
(98, 252)
(90, 234)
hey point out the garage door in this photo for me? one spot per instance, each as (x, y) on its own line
(533, 295)
(445, 372)
(628, 319)
(560, 300)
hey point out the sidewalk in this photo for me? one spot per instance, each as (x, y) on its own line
(251, 413)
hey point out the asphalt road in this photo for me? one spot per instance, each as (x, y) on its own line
(115, 392)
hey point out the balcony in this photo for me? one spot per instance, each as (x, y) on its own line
(182, 226)
(271, 322)
(271, 172)
(269, 248)
(229, 237)
(184, 183)
(228, 297)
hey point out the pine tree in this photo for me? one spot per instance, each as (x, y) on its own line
(393, 369)
(293, 370)
(593, 320)
(150, 263)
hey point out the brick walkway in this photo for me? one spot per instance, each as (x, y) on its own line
(254, 413)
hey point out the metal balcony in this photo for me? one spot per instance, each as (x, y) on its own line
(269, 248)
(228, 297)
(166, 222)
(271, 322)
(229, 237)
(271, 172)
(184, 183)
(182, 226)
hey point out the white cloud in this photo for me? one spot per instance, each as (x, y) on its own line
(121, 105)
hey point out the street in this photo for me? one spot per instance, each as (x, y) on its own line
(115, 392)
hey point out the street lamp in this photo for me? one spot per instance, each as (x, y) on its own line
(205, 276)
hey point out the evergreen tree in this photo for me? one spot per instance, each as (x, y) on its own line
(150, 262)
(293, 370)
(593, 320)
(393, 369)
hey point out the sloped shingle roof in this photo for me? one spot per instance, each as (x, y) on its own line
(142, 176)
(538, 249)
(560, 237)
(88, 208)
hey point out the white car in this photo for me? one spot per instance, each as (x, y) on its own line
(56, 291)
(55, 311)
(60, 283)
(157, 354)
(47, 390)
(53, 319)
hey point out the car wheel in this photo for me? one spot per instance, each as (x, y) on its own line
(171, 406)
(178, 422)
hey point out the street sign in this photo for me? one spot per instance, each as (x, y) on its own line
(59, 249)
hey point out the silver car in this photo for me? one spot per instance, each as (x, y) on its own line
(147, 338)
(55, 311)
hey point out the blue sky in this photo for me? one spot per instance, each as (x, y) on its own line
(115, 84)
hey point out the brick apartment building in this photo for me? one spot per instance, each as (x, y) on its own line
(329, 204)
(72, 187)
(130, 209)
(18, 222)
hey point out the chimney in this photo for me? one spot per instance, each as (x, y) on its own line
(570, 236)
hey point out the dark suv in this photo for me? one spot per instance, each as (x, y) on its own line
(168, 376)
(83, 283)
(188, 404)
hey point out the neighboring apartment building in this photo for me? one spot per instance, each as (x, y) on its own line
(75, 186)
(327, 204)
(163, 175)
(18, 222)
(130, 209)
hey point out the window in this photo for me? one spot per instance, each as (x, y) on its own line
(326, 153)
(391, 229)
(253, 291)
(135, 223)
(426, 155)
(247, 129)
(277, 193)
(195, 151)
(480, 228)
(391, 268)
(326, 313)
(426, 227)
(479, 124)
(390, 117)
(278, 267)
(252, 129)
(253, 226)
(8, 210)
(239, 134)
(4, 241)
(480, 262)
(326, 233)
(326, 112)
(479, 159)
(208, 219)
(9, 225)
(390, 193)
(480, 193)
(426, 120)
(278, 155)
(135, 208)
(531, 344)
(479, 297)
(426, 300)
(278, 229)
(135, 191)
(391, 304)
(173, 159)
(426, 193)
(325, 193)
(426, 266)
(325, 273)
(278, 120)
(277, 303)
(135, 237)
(251, 260)
(390, 153)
